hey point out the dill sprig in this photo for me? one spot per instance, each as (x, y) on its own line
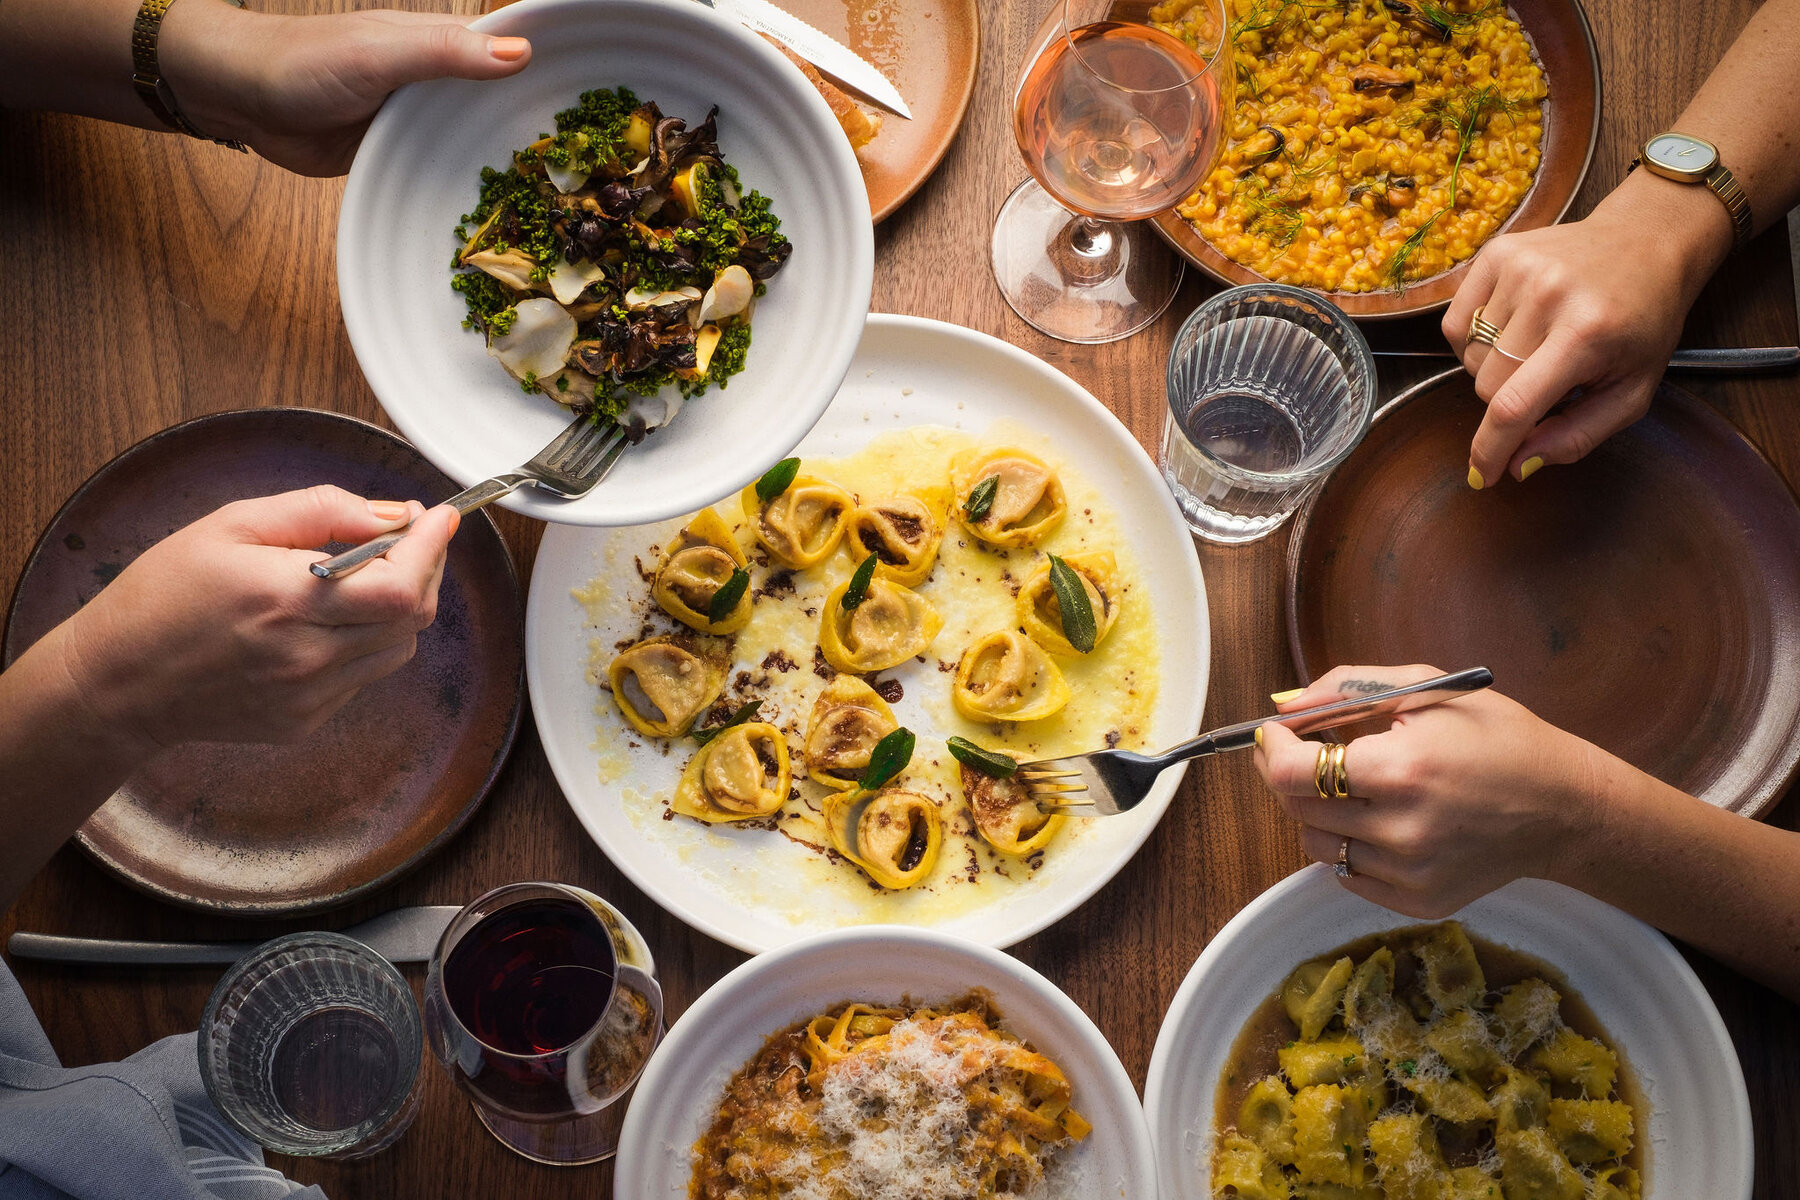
(1467, 111)
(1458, 22)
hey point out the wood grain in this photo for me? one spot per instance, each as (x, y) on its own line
(150, 279)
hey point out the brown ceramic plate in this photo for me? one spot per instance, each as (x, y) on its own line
(1646, 598)
(270, 830)
(929, 50)
(1565, 46)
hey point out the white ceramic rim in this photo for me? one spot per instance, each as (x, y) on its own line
(571, 774)
(715, 1007)
(798, 409)
(1241, 936)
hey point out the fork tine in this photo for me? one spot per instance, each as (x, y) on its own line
(582, 449)
(1052, 807)
(1055, 789)
(560, 444)
(607, 461)
(1030, 775)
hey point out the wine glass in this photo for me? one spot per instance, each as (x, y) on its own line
(1118, 121)
(542, 1003)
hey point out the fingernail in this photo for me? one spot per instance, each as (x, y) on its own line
(1475, 479)
(1284, 697)
(1259, 744)
(388, 510)
(455, 521)
(508, 49)
(1528, 466)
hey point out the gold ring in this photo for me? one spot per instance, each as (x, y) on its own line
(1342, 867)
(1483, 331)
(1340, 779)
(1328, 772)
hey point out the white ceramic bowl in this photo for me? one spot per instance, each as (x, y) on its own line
(418, 170)
(1643, 993)
(680, 1091)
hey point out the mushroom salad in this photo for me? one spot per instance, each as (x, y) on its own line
(614, 266)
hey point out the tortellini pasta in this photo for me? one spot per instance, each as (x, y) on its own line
(1414, 1021)
(1026, 500)
(903, 532)
(895, 839)
(1040, 615)
(1006, 676)
(1004, 813)
(741, 773)
(892, 624)
(803, 525)
(848, 719)
(698, 562)
(662, 686)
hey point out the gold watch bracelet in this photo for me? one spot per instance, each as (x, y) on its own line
(146, 73)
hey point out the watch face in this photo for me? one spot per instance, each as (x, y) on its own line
(1679, 152)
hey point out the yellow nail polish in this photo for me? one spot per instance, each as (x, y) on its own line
(388, 510)
(1284, 697)
(1259, 744)
(1475, 479)
(1529, 466)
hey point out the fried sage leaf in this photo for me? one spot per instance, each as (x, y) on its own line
(888, 759)
(994, 766)
(858, 588)
(1072, 600)
(746, 712)
(776, 479)
(981, 498)
(728, 595)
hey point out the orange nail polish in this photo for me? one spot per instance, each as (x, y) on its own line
(508, 49)
(388, 510)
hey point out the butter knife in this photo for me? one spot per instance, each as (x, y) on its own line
(404, 935)
(1744, 360)
(816, 47)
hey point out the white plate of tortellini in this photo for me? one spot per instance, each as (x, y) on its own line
(1537, 1044)
(752, 708)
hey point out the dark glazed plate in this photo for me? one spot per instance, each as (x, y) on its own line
(1646, 598)
(268, 830)
(1565, 47)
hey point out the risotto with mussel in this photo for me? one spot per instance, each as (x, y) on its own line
(1374, 143)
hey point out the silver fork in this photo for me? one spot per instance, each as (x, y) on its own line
(1108, 782)
(571, 466)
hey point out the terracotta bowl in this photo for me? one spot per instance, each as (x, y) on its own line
(1565, 45)
(273, 830)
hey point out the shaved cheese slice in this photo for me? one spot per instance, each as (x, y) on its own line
(566, 179)
(568, 280)
(538, 342)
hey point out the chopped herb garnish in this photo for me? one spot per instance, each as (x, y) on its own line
(744, 713)
(1409, 1067)
(728, 595)
(981, 498)
(1072, 602)
(857, 590)
(988, 762)
(776, 479)
(890, 757)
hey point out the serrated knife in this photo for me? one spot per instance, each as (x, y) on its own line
(404, 935)
(816, 47)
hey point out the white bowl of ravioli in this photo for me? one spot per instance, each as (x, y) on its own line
(1691, 1112)
(677, 1100)
(417, 173)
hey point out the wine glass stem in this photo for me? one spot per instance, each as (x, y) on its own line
(1093, 238)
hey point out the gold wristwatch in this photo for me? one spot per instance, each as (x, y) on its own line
(1688, 159)
(146, 74)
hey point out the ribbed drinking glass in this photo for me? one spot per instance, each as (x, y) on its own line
(1269, 387)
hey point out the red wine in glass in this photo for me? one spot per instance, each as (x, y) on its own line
(542, 1003)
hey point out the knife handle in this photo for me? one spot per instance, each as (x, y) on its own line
(49, 947)
(1750, 358)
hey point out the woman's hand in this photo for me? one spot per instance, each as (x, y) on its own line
(1448, 803)
(1596, 305)
(300, 91)
(220, 633)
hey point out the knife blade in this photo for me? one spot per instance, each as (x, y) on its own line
(403, 935)
(820, 49)
(1746, 359)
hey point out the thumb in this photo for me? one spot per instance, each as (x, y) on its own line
(438, 47)
(312, 517)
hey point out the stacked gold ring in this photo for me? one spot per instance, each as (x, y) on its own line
(1483, 331)
(1330, 779)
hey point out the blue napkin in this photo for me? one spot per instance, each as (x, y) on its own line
(142, 1129)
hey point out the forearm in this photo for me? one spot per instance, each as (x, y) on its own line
(59, 761)
(1723, 884)
(74, 56)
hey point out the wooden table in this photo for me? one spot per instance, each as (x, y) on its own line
(150, 279)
